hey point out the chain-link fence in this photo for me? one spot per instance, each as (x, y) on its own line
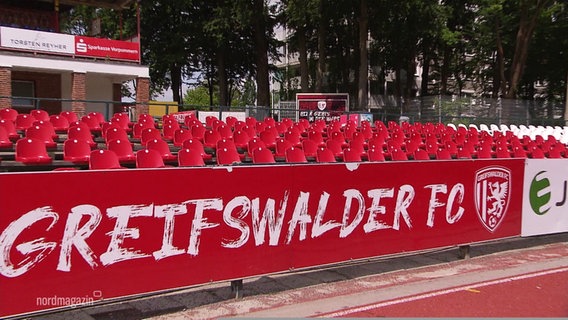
(444, 109)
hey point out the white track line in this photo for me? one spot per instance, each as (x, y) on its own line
(343, 313)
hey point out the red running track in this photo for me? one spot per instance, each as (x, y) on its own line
(539, 294)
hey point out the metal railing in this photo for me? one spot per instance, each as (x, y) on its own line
(444, 109)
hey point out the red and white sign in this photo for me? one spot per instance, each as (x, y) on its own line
(326, 106)
(105, 48)
(492, 194)
(85, 236)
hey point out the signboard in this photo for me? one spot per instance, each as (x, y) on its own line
(65, 44)
(92, 236)
(106, 48)
(37, 41)
(322, 106)
(545, 200)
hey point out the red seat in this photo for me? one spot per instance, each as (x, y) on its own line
(93, 123)
(225, 131)
(24, 121)
(169, 130)
(484, 152)
(323, 154)
(310, 148)
(180, 135)
(162, 147)
(293, 135)
(351, 155)
(5, 142)
(229, 144)
(60, 123)
(230, 121)
(241, 139)
(198, 130)
(149, 134)
(537, 153)
(210, 138)
(147, 158)
(104, 159)
(97, 115)
(376, 154)
(281, 146)
(335, 147)
(122, 120)
(519, 152)
(502, 152)
(43, 134)
(421, 154)
(123, 149)
(40, 114)
(294, 155)
(316, 137)
(70, 116)
(115, 133)
(398, 154)
(8, 114)
(81, 132)
(10, 128)
(146, 118)
(227, 156)
(139, 127)
(254, 143)
(49, 127)
(269, 138)
(262, 155)
(197, 146)
(190, 158)
(31, 151)
(464, 153)
(76, 151)
(443, 154)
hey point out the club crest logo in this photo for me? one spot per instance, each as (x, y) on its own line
(322, 105)
(492, 194)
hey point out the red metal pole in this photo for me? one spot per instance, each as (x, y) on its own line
(138, 30)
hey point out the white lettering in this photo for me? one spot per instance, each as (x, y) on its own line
(300, 216)
(405, 196)
(434, 203)
(237, 223)
(349, 195)
(115, 252)
(318, 229)
(75, 236)
(457, 190)
(200, 223)
(10, 234)
(274, 223)
(168, 212)
(376, 194)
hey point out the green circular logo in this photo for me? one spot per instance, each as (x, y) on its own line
(539, 193)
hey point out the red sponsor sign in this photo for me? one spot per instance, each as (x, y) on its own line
(106, 48)
(325, 106)
(86, 236)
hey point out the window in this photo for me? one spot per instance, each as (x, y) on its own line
(23, 89)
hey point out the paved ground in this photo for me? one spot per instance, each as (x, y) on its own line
(356, 289)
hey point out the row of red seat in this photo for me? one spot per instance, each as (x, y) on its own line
(232, 140)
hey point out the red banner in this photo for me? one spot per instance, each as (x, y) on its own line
(75, 238)
(106, 48)
(325, 106)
